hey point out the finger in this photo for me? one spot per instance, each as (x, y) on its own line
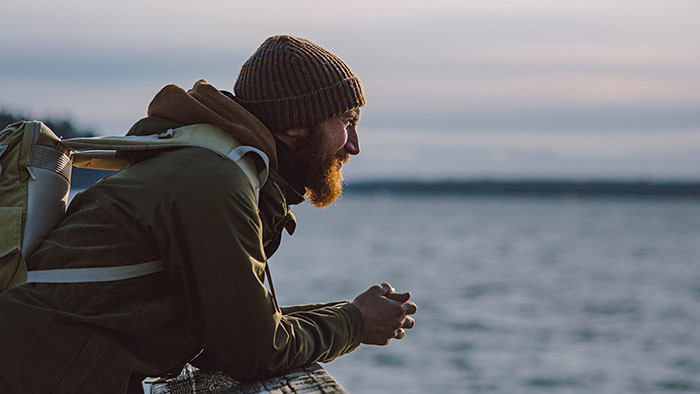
(408, 322)
(390, 288)
(400, 297)
(409, 307)
(384, 289)
(399, 333)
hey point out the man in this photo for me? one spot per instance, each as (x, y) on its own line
(196, 211)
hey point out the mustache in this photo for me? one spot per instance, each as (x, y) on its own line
(343, 156)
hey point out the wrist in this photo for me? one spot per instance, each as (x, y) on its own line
(357, 322)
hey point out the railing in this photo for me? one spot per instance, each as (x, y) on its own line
(307, 380)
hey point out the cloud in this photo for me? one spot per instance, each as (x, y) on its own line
(473, 118)
(105, 64)
(593, 143)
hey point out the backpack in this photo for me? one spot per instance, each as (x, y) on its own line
(35, 173)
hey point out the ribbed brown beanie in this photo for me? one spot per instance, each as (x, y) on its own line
(291, 82)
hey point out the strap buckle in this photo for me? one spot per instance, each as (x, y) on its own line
(166, 134)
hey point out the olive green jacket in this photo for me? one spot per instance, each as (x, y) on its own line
(197, 212)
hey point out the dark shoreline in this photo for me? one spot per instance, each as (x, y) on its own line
(533, 187)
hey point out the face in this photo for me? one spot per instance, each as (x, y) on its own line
(322, 154)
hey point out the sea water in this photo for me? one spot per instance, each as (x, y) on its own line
(515, 295)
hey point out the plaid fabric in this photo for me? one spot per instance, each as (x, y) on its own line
(312, 379)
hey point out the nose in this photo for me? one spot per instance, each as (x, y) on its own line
(352, 146)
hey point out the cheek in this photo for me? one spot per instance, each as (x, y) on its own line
(332, 137)
(337, 140)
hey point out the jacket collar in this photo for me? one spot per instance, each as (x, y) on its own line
(290, 193)
(275, 198)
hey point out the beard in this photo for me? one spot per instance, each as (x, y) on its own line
(321, 170)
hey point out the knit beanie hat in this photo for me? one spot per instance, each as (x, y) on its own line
(290, 82)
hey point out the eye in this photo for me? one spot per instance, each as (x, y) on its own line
(350, 122)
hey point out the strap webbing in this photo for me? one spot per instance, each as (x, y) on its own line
(94, 274)
(272, 287)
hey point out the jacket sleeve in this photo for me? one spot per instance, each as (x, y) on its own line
(213, 246)
(287, 310)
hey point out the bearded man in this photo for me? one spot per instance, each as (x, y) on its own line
(296, 103)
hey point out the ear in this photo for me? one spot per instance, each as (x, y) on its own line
(295, 133)
(290, 136)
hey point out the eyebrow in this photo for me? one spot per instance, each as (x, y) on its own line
(353, 115)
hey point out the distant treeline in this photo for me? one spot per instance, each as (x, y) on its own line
(62, 127)
(528, 188)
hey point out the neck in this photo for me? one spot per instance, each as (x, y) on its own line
(288, 167)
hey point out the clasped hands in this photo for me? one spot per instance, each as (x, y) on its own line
(385, 313)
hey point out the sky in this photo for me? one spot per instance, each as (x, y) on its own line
(455, 89)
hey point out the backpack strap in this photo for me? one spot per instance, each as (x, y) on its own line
(102, 155)
(94, 274)
(99, 152)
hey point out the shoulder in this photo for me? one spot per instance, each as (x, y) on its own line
(202, 175)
